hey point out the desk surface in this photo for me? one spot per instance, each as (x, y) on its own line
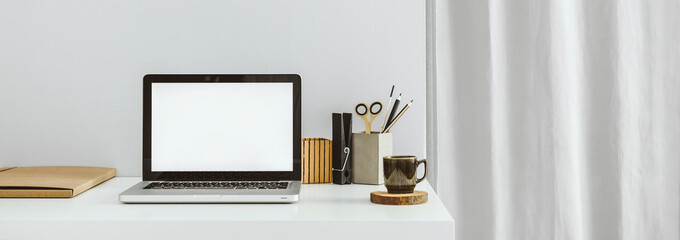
(323, 209)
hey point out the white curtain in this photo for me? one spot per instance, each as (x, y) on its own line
(558, 119)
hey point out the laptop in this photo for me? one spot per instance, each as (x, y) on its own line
(220, 139)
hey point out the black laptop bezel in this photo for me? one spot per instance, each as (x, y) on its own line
(295, 175)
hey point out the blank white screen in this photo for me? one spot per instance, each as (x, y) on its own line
(222, 127)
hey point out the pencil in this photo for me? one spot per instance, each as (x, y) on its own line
(388, 107)
(397, 117)
(390, 119)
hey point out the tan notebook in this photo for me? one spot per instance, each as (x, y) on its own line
(47, 182)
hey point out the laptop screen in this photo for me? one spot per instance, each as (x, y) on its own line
(222, 126)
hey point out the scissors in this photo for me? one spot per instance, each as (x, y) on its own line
(368, 111)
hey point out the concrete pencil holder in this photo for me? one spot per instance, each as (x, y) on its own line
(368, 151)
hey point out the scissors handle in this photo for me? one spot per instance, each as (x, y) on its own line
(363, 113)
(379, 109)
(368, 111)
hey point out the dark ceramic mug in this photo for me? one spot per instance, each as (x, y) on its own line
(400, 173)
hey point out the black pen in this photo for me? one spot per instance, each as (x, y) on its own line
(394, 110)
(389, 126)
(388, 107)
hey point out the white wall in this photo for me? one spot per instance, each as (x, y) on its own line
(70, 71)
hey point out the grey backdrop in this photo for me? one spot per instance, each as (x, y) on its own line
(70, 71)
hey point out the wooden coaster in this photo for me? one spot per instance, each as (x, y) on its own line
(382, 197)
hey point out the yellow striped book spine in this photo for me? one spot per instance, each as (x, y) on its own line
(316, 160)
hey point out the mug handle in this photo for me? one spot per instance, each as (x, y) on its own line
(425, 175)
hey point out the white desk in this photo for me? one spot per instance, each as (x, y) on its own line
(325, 211)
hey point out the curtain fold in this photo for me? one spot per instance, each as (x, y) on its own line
(559, 119)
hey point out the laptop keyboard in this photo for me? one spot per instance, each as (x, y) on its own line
(217, 185)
